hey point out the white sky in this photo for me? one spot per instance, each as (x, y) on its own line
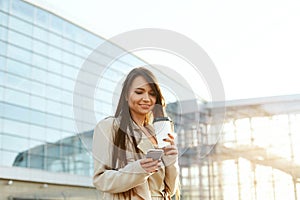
(255, 44)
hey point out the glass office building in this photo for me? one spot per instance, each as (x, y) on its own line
(41, 55)
(45, 149)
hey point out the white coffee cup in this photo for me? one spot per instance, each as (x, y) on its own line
(162, 126)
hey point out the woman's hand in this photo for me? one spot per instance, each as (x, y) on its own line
(150, 165)
(170, 149)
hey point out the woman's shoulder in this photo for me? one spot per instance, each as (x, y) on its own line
(108, 122)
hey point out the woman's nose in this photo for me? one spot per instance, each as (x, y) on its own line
(146, 97)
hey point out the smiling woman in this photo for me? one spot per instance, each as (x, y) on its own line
(121, 143)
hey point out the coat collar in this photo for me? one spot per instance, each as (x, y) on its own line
(143, 142)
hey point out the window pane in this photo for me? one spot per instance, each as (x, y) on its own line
(4, 6)
(39, 61)
(55, 53)
(37, 132)
(14, 143)
(42, 18)
(3, 35)
(18, 68)
(15, 97)
(55, 39)
(20, 25)
(18, 83)
(40, 34)
(38, 74)
(19, 54)
(53, 107)
(38, 103)
(19, 39)
(23, 10)
(3, 47)
(56, 24)
(40, 47)
(7, 157)
(15, 128)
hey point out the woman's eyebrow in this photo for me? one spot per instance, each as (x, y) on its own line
(140, 88)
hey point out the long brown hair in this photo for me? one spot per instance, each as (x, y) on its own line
(125, 130)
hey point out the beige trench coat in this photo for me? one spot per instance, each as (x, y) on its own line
(145, 185)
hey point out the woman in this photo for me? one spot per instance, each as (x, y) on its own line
(120, 144)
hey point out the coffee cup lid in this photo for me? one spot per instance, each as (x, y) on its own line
(161, 119)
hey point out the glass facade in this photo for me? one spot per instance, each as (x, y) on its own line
(41, 56)
(255, 157)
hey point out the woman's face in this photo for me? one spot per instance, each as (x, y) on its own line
(141, 98)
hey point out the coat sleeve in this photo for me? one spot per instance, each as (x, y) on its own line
(105, 178)
(171, 173)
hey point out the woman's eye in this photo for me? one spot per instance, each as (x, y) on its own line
(152, 94)
(138, 92)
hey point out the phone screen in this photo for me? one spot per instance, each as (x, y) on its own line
(154, 153)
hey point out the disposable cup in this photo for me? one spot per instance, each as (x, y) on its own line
(162, 126)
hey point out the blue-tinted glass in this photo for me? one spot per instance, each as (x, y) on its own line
(19, 39)
(53, 80)
(55, 40)
(14, 143)
(42, 18)
(53, 121)
(55, 67)
(3, 36)
(69, 30)
(70, 71)
(11, 110)
(53, 107)
(40, 34)
(67, 97)
(78, 62)
(36, 161)
(55, 53)
(68, 45)
(4, 5)
(3, 47)
(38, 89)
(53, 93)
(92, 40)
(8, 157)
(40, 47)
(18, 68)
(23, 10)
(19, 54)
(16, 128)
(18, 98)
(37, 117)
(2, 70)
(67, 111)
(34, 144)
(68, 58)
(68, 84)
(53, 135)
(68, 125)
(38, 74)
(39, 61)
(18, 25)
(37, 132)
(37, 103)
(18, 83)
(82, 50)
(56, 24)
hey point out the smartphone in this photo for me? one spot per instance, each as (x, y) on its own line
(154, 153)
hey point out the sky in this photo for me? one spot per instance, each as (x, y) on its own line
(254, 45)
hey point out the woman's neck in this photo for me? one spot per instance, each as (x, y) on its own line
(140, 121)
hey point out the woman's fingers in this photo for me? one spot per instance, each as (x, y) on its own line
(150, 165)
(170, 150)
(170, 139)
